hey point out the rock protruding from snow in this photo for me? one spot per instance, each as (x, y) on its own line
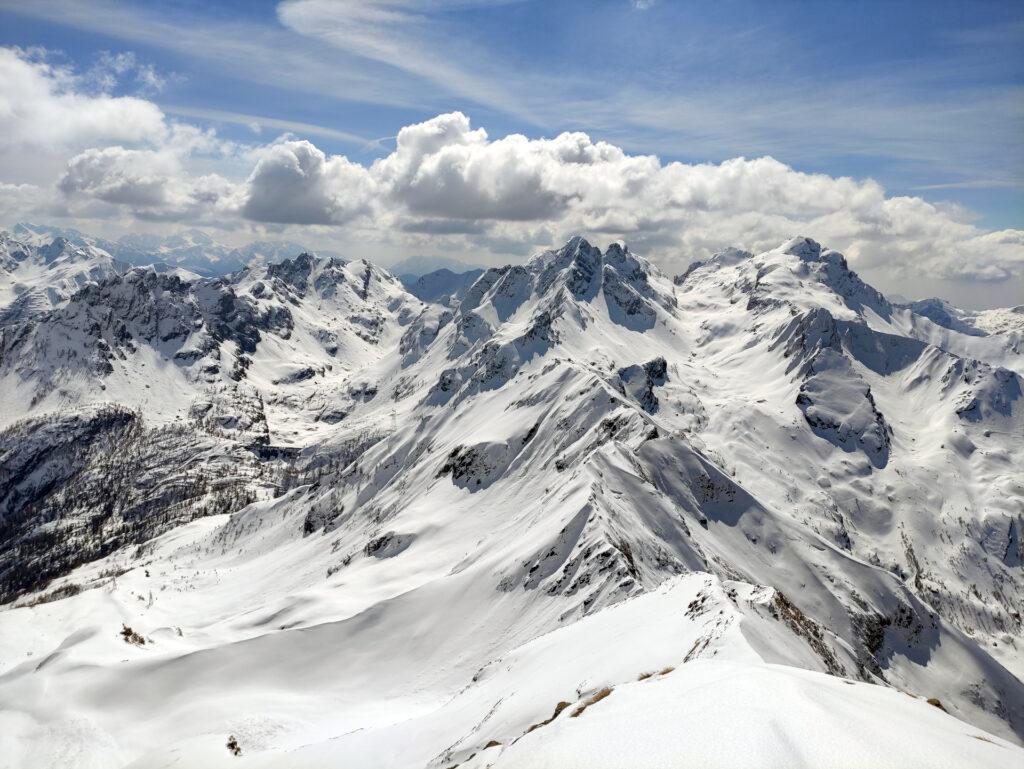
(838, 405)
(639, 382)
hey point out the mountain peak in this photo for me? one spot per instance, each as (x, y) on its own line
(803, 247)
(576, 244)
(299, 270)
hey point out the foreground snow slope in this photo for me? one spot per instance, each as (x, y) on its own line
(439, 521)
(367, 674)
(722, 714)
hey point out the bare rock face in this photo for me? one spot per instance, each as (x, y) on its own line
(639, 382)
(77, 487)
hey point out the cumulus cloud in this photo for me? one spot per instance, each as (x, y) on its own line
(136, 178)
(449, 186)
(448, 180)
(42, 106)
(111, 155)
(443, 171)
(296, 183)
(151, 184)
(442, 168)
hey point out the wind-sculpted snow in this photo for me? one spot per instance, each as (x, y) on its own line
(465, 532)
(992, 393)
(639, 382)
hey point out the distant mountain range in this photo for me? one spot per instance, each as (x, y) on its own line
(192, 250)
(415, 266)
(197, 252)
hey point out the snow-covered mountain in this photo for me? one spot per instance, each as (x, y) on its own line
(1005, 320)
(578, 514)
(441, 286)
(190, 251)
(196, 251)
(37, 276)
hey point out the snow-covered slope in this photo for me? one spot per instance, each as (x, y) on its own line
(1005, 320)
(440, 286)
(35, 278)
(288, 335)
(759, 486)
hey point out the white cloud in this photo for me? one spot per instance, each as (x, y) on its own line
(295, 183)
(407, 35)
(249, 50)
(443, 168)
(451, 182)
(137, 178)
(148, 80)
(707, 92)
(109, 69)
(41, 107)
(21, 201)
(256, 124)
(448, 186)
(520, 189)
(151, 184)
(64, 137)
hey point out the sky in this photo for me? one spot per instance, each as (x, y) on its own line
(486, 130)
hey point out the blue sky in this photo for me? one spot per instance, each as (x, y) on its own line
(929, 96)
(926, 98)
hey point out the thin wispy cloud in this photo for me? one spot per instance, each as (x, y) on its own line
(407, 35)
(260, 53)
(260, 122)
(974, 184)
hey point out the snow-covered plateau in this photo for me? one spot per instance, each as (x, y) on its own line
(569, 513)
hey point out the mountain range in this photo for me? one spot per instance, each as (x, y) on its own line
(192, 251)
(572, 512)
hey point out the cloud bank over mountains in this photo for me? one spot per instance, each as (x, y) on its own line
(72, 150)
